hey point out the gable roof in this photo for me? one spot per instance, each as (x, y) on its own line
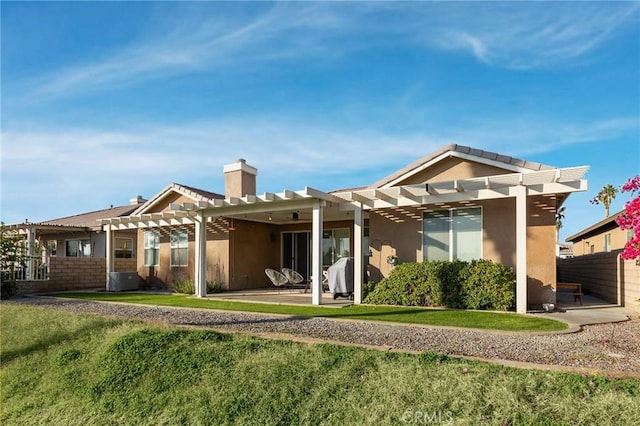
(82, 221)
(465, 152)
(195, 194)
(605, 224)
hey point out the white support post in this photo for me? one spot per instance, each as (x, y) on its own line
(521, 250)
(109, 253)
(201, 255)
(316, 253)
(31, 244)
(358, 259)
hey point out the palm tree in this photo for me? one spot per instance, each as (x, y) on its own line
(605, 196)
(559, 217)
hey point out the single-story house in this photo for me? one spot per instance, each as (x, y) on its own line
(603, 236)
(456, 203)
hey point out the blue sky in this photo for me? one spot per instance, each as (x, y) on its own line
(102, 101)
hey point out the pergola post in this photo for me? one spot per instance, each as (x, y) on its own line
(521, 249)
(109, 253)
(201, 255)
(358, 233)
(31, 243)
(316, 253)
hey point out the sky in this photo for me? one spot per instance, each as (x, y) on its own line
(102, 101)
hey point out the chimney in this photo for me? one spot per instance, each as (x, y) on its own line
(137, 200)
(239, 179)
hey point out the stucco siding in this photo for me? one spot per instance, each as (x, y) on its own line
(453, 168)
(597, 241)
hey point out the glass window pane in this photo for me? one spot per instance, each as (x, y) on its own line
(85, 248)
(179, 243)
(151, 248)
(71, 248)
(327, 248)
(341, 239)
(435, 233)
(467, 234)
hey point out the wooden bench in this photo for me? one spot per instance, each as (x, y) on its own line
(575, 289)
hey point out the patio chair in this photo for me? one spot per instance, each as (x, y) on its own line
(277, 278)
(292, 276)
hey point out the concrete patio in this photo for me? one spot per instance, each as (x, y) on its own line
(285, 296)
(592, 311)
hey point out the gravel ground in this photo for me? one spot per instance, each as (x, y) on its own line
(610, 348)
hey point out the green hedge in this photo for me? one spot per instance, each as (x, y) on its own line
(479, 284)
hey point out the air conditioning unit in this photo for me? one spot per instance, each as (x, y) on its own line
(120, 281)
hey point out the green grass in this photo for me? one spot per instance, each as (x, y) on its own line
(453, 318)
(60, 368)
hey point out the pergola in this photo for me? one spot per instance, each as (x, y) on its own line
(257, 208)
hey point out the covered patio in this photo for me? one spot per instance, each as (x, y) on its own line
(316, 207)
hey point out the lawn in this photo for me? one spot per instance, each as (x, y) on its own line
(454, 318)
(60, 368)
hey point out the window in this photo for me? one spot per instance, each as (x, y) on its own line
(452, 234)
(335, 245)
(77, 248)
(630, 233)
(151, 248)
(179, 247)
(124, 248)
(52, 247)
(607, 242)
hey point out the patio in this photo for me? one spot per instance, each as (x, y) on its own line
(592, 311)
(286, 296)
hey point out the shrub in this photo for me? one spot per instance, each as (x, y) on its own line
(8, 286)
(367, 288)
(409, 284)
(488, 285)
(184, 286)
(214, 287)
(187, 286)
(479, 284)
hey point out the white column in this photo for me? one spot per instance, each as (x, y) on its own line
(201, 255)
(521, 249)
(31, 244)
(316, 253)
(358, 259)
(109, 253)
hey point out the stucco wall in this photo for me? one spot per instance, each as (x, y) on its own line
(164, 275)
(604, 275)
(253, 247)
(399, 232)
(453, 168)
(583, 245)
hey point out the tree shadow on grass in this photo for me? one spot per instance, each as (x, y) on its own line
(9, 355)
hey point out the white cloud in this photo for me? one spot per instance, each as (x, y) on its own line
(529, 35)
(512, 35)
(74, 168)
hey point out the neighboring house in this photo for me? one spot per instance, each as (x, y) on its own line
(564, 251)
(603, 236)
(70, 252)
(597, 264)
(457, 203)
